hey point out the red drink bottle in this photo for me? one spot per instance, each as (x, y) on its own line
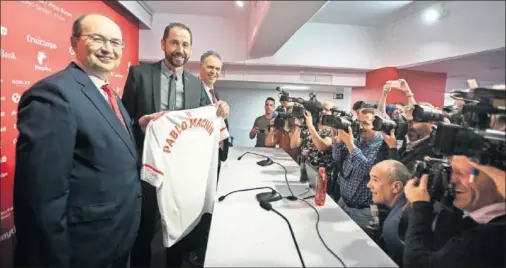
(321, 187)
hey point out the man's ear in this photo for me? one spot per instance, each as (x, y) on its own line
(397, 187)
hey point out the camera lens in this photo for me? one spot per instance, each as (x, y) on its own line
(427, 114)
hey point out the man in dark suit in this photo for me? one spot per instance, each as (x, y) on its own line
(150, 89)
(210, 70)
(76, 185)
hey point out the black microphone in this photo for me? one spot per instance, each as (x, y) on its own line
(269, 161)
(266, 196)
(240, 157)
(268, 206)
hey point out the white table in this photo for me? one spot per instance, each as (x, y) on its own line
(245, 235)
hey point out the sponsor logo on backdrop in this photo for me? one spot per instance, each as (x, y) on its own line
(21, 82)
(15, 141)
(71, 51)
(4, 159)
(3, 30)
(16, 97)
(2, 98)
(3, 175)
(40, 42)
(3, 129)
(8, 55)
(42, 60)
(15, 126)
(14, 112)
(2, 114)
(5, 213)
(128, 66)
(9, 233)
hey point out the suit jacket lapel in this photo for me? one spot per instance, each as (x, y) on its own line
(155, 89)
(91, 91)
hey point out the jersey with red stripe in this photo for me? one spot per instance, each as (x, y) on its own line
(180, 159)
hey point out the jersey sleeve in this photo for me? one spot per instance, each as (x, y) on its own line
(153, 166)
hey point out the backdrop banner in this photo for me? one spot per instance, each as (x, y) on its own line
(35, 43)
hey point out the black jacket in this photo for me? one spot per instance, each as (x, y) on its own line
(481, 246)
(408, 158)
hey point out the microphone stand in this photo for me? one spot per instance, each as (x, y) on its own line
(303, 172)
(268, 206)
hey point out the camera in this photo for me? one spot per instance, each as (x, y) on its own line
(281, 115)
(438, 184)
(312, 105)
(398, 123)
(473, 136)
(341, 120)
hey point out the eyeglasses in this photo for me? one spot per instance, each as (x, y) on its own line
(101, 40)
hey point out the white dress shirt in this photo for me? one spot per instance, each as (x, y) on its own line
(98, 82)
(208, 92)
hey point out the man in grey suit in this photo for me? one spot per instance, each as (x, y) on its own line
(150, 89)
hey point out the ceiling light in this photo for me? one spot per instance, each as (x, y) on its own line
(239, 3)
(294, 87)
(431, 15)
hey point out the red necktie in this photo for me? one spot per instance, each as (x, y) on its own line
(214, 96)
(113, 102)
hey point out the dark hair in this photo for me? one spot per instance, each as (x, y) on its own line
(270, 99)
(358, 105)
(77, 26)
(209, 53)
(368, 111)
(183, 26)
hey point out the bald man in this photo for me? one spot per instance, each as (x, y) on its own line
(76, 185)
(387, 187)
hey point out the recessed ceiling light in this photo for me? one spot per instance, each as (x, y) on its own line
(431, 15)
(239, 3)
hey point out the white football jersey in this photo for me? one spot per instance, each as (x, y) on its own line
(180, 159)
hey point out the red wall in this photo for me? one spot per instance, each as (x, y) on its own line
(35, 43)
(426, 86)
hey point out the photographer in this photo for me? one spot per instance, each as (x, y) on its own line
(316, 141)
(401, 85)
(262, 123)
(417, 145)
(282, 136)
(355, 159)
(482, 245)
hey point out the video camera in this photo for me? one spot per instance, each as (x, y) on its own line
(425, 114)
(341, 120)
(398, 123)
(298, 111)
(473, 136)
(438, 185)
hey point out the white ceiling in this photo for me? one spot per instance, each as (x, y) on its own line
(363, 13)
(271, 86)
(486, 66)
(225, 9)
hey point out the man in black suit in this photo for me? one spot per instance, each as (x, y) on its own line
(76, 185)
(150, 89)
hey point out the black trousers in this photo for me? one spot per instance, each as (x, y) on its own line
(150, 224)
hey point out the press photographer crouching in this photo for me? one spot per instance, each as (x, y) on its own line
(354, 159)
(387, 187)
(481, 246)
